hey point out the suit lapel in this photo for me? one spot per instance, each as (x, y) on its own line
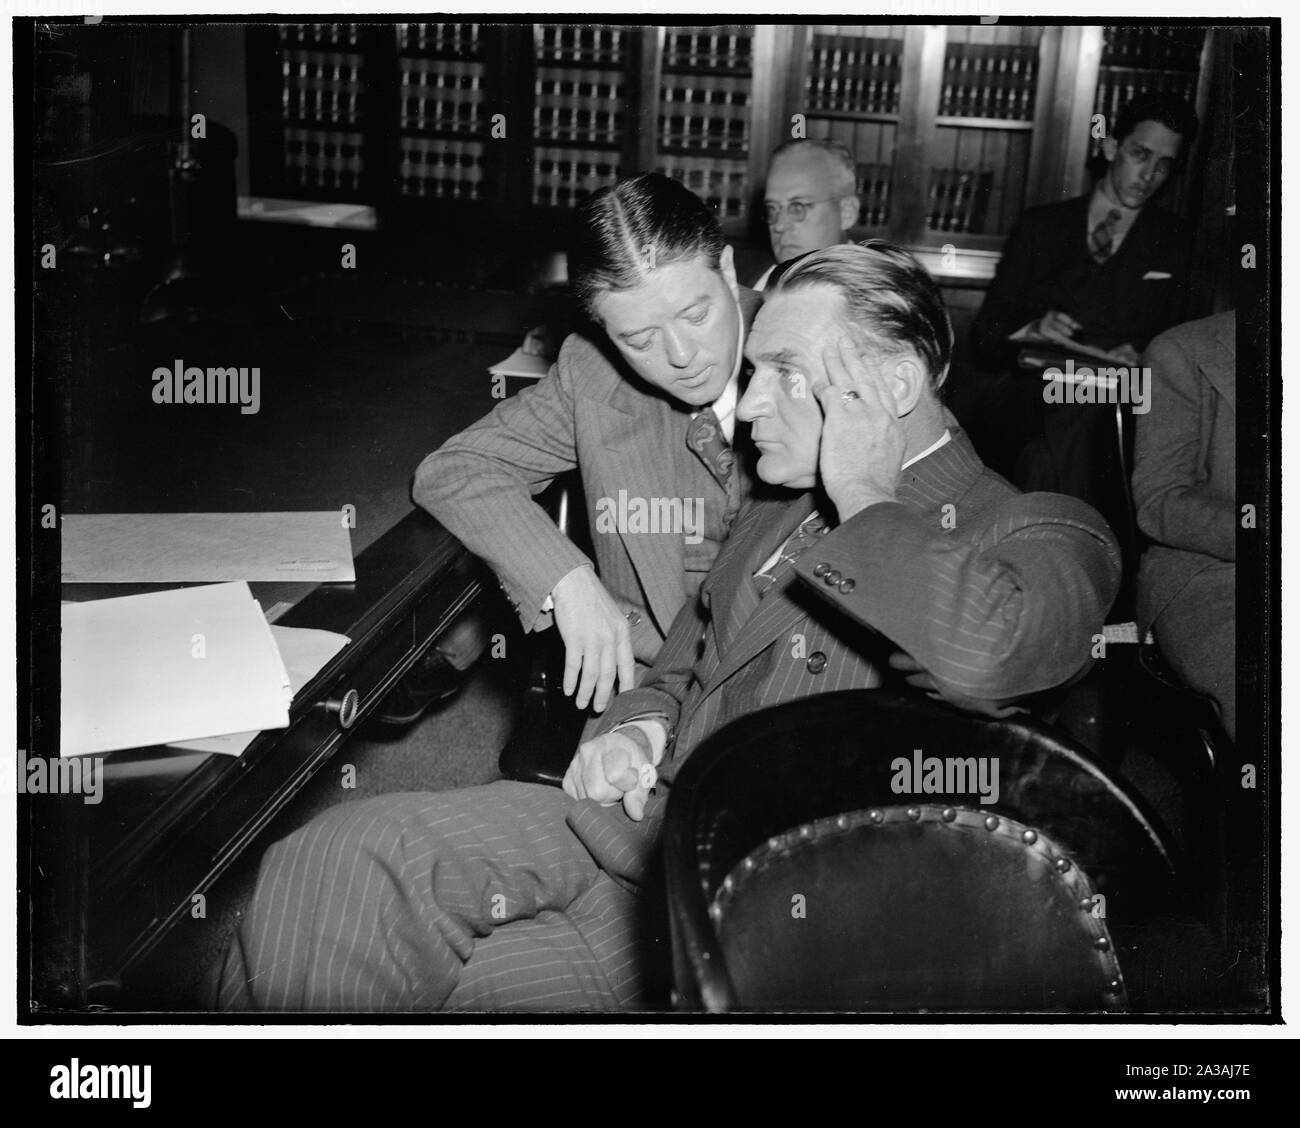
(642, 439)
(745, 624)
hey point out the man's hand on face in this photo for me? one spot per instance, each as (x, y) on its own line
(597, 642)
(613, 767)
(862, 442)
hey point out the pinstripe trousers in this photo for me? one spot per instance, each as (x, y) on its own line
(480, 899)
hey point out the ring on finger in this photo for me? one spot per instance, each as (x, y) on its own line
(849, 395)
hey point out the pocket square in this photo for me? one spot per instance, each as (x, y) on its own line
(1156, 276)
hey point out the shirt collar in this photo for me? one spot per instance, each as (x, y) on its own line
(942, 440)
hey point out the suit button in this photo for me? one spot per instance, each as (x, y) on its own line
(816, 662)
(846, 586)
(821, 569)
(831, 578)
(634, 618)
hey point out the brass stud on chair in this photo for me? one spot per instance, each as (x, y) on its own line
(991, 823)
(750, 865)
(949, 814)
(914, 813)
(1062, 865)
(876, 816)
(842, 822)
(1087, 904)
(1029, 837)
(1102, 944)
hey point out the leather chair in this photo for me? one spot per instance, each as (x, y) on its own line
(799, 878)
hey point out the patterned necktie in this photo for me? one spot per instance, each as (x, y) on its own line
(1101, 242)
(704, 437)
(813, 527)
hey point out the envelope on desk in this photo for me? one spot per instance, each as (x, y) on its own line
(147, 669)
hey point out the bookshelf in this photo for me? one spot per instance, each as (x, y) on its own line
(579, 116)
(956, 129)
(443, 80)
(322, 97)
(705, 113)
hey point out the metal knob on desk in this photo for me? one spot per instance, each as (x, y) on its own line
(347, 709)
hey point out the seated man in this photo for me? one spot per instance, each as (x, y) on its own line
(643, 404)
(888, 536)
(810, 200)
(1108, 269)
(1185, 490)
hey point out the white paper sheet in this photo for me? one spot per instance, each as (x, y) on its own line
(523, 365)
(168, 548)
(305, 652)
(147, 669)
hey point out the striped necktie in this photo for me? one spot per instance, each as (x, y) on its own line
(1101, 242)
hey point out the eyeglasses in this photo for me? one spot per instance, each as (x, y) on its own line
(798, 209)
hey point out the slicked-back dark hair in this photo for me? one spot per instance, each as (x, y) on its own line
(1170, 111)
(887, 293)
(623, 232)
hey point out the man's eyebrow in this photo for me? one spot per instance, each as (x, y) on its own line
(779, 356)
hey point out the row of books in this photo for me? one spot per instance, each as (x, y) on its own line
(442, 95)
(873, 195)
(722, 185)
(319, 35)
(958, 200)
(449, 169)
(458, 40)
(581, 44)
(715, 48)
(563, 178)
(1162, 48)
(584, 106)
(989, 81)
(321, 86)
(319, 158)
(854, 75)
(697, 112)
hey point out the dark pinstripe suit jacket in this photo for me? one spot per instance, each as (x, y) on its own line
(996, 594)
(592, 412)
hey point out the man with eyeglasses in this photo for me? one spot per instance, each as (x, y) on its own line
(1109, 270)
(810, 200)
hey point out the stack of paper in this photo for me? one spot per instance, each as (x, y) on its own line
(523, 365)
(173, 665)
(305, 652)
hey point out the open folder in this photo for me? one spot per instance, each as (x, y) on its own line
(173, 665)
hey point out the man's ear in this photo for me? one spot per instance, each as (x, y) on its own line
(906, 381)
(727, 268)
(849, 208)
(1109, 147)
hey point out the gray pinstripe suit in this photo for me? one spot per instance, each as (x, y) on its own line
(592, 413)
(515, 896)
